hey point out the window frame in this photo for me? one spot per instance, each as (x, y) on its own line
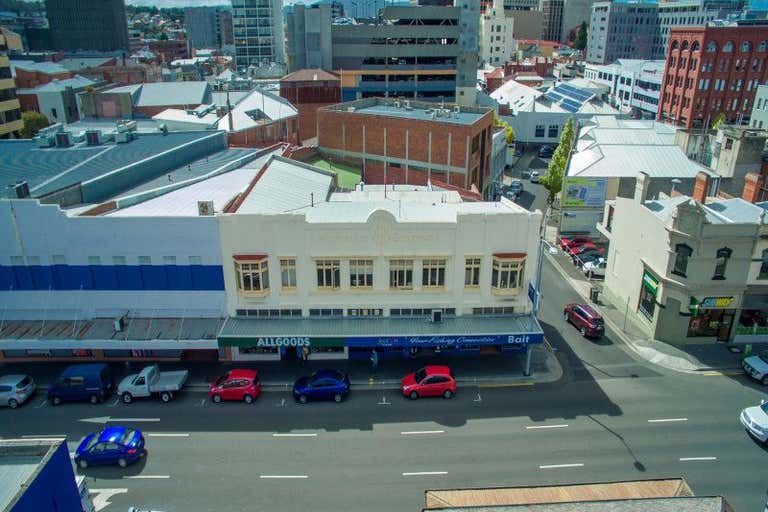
(472, 268)
(433, 272)
(288, 269)
(508, 266)
(361, 268)
(680, 265)
(243, 267)
(402, 268)
(762, 272)
(721, 263)
(329, 267)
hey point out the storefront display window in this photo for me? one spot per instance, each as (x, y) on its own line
(710, 323)
(752, 321)
(258, 350)
(648, 291)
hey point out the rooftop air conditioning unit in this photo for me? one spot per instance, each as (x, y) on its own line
(63, 139)
(456, 109)
(123, 137)
(350, 109)
(45, 141)
(408, 105)
(93, 137)
(437, 316)
(397, 103)
(22, 189)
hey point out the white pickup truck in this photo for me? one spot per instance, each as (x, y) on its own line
(757, 367)
(151, 381)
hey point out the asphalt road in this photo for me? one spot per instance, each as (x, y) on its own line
(379, 451)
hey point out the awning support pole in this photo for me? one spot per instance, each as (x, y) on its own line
(527, 370)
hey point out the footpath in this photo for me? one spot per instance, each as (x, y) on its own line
(689, 358)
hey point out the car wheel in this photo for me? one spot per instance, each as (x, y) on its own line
(565, 317)
(303, 399)
(216, 399)
(55, 400)
(447, 393)
(94, 399)
(248, 399)
(414, 395)
(122, 463)
(12, 403)
(82, 463)
(127, 398)
(583, 332)
(337, 397)
(166, 397)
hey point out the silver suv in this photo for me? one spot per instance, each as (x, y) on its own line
(16, 389)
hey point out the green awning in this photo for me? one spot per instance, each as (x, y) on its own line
(651, 283)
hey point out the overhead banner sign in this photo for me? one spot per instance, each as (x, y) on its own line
(586, 192)
(520, 340)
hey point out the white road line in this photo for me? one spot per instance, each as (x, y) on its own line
(541, 427)
(166, 434)
(113, 404)
(558, 466)
(668, 420)
(295, 435)
(426, 473)
(288, 477)
(147, 477)
(692, 459)
(42, 404)
(421, 432)
(44, 436)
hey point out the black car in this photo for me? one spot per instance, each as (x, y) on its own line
(546, 151)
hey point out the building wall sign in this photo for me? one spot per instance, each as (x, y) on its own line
(517, 340)
(287, 341)
(716, 302)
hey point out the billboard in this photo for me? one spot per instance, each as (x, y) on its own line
(586, 192)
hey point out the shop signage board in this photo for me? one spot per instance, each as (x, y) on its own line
(716, 302)
(650, 282)
(518, 339)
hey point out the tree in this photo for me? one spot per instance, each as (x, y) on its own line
(718, 121)
(553, 180)
(33, 123)
(581, 37)
(497, 122)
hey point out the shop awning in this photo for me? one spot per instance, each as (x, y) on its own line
(382, 331)
(650, 283)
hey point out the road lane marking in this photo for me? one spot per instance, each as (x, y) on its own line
(668, 420)
(539, 427)
(295, 435)
(721, 374)
(101, 497)
(421, 432)
(147, 477)
(383, 401)
(109, 419)
(693, 459)
(42, 404)
(287, 477)
(558, 466)
(425, 473)
(44, 436)
(166, 434)
(507, 385)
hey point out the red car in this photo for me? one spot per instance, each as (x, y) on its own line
(240, 385)
(582, 248)
(586, 319)
(568, 241)
(429, 381)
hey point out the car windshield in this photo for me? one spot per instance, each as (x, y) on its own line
(598, 321)
(764, 407)
(24, 382)
(218, 381)
(419, 375)
(93, 441)
(127, 437)
(764, 357)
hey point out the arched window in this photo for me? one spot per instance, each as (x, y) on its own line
(675, 45)
(746, 47)
(721, 263)
(695, 46)
(684, 46)
(682, 255)
(763, 46)
(711, 47)
(728, 47)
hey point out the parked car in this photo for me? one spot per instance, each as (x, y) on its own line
(534, 176)
(516, 187)
(757, 367)
(573, 246)
(584, 248)
(588, 255)
(567, 241)
(546, 151)
(240, 385)
(152, 382)
(113, 445)
(585, 319)
(322, 385)
(755, 421)
(429, 381)
(81, 382)
(594, 268)
(16, 389)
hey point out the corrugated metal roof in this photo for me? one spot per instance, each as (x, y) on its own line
(76, 82)
(51, 68)
(158, 94)
(258, 103)
(676, 504)
(77, 63)
(309, 75)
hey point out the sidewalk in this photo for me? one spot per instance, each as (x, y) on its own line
(489, 370)
(689, 358)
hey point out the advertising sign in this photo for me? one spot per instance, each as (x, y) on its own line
(716, 302)
(587, 192)
(456, 340)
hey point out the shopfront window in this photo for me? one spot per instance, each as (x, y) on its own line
(711, 323)
(721, 263)
(433, 273)
(252, 276)
(764, 266)
(648, 291)
(507, 274)
(682, 254)
(328, 274)
(401, 274)
(361, 274)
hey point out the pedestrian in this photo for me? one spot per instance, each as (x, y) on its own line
(374, 359)
(304, 355)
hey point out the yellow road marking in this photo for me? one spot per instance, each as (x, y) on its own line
(721, 374)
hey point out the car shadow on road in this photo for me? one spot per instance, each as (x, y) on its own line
(114, 472)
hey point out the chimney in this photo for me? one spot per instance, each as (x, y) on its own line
(701, 188)
(641, 187)
(753, 186)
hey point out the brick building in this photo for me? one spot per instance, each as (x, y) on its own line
(308, 90)
(169, 50)
(400, 141)
(710, 70)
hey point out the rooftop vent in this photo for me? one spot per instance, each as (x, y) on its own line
(22, 189)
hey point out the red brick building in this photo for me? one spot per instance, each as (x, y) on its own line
(308, 90)
(399, 141)
(710, 70)
(169, 50)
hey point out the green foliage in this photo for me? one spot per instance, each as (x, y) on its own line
(33, 123)
(553, 180)
(581, 37)
(497, 122)
(718, 121)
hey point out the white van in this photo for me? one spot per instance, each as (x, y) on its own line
(594, 268)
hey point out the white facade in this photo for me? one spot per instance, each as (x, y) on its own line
(635, 85)
(496, 29)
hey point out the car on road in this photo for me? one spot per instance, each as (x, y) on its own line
(113, 445)
(150, 381)
(585, 248)
(81, 382)
(322, 385)
(757, 367)
(516, 187)
(15, 390)
(589, 256)
(429, 381)
(585, 319)
(546, 151)
(755, 421)
(567, 241)
(239, 385)
(594, 268)
(535, 176)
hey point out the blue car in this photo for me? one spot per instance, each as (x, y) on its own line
(322, 385)
(113, 445)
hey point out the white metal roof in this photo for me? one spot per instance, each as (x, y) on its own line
(178, 115)
(259, 102)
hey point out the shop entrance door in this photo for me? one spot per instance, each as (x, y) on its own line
(724, 331)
